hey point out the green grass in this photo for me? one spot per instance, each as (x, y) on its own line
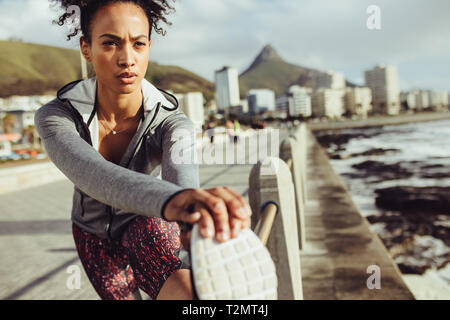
(29, 69)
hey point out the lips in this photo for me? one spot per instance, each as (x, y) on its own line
(127, 77)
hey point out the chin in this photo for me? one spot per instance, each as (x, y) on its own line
(128, 88)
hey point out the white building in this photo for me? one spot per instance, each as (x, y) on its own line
(437, 99)
(358, 101)
(329, 80)
(383, 81)
(301, 101)
(191, 104)
(227, 88)
(328, 103)
(260, 100)
(409, 98)
(284, 103)
(244, 104)
(422, 99)
(240, 109)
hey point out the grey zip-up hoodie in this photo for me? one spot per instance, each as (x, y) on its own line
(108, 196)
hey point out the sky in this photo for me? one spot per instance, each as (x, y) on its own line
(332, 35)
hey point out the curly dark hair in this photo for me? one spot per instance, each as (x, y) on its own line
(154, 9)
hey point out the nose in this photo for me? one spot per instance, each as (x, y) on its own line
(126, 57)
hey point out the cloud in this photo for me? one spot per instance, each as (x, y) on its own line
(31, 21)
(324, 34)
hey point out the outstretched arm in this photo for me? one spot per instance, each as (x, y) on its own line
(91, 173)
(219, 211)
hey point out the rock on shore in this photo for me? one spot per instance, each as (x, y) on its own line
(379, 170)
(416, 226)
(413, 222)
(414, 199)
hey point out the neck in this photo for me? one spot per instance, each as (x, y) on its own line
(116, 107)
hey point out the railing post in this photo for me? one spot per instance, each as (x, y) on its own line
(271, 181)
(301, 137)
(290, 151)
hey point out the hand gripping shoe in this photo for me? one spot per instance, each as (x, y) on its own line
(238, 269)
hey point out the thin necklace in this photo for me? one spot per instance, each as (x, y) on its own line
(112, 130)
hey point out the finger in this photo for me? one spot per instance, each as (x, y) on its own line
(236, 209)
(206, 222)
(236, 226)
(247, 223)
(241, 198)
(234, 204)
(222, 226)
(215, 204)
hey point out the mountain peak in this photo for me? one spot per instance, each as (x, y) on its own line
(268, 53)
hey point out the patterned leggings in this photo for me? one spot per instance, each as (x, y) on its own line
(144, 257)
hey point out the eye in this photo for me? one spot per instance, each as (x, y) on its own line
(140, 44)
(109, 43)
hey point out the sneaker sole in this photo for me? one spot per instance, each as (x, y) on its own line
(238, 269)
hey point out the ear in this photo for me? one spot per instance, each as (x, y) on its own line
(85, 49)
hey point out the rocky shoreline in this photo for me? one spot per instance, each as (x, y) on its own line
(412, 222)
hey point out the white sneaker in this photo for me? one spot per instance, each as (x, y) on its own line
(238, 269)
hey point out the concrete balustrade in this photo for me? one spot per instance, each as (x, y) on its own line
(300, 134)
(271, 181)
(291, 152)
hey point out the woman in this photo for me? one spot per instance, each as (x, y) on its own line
(113, 136)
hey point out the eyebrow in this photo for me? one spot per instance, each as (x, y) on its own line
(108, 35)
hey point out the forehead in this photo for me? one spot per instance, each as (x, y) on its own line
(120, 18)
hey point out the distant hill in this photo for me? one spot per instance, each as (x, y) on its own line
(33, 69)
(269, 70)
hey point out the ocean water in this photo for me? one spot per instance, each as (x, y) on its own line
(418, 144)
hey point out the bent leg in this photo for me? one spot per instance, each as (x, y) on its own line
(106, 265)
(153, 245)
(177, 287)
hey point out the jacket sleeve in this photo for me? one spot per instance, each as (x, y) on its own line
(179, 163)
(100, 179)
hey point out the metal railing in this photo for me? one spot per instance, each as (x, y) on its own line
(265, 223)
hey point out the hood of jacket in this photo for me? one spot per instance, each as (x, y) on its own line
(81, 95)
